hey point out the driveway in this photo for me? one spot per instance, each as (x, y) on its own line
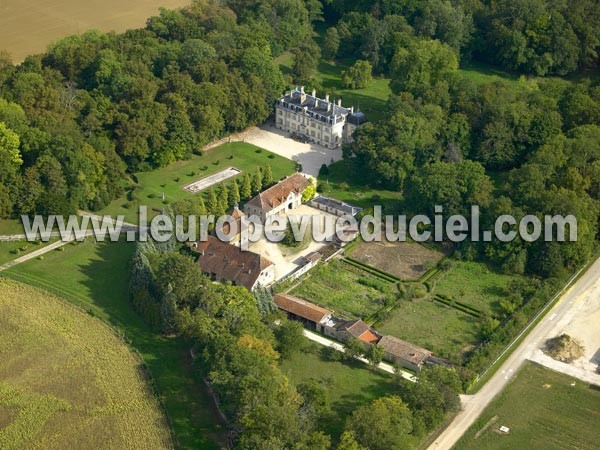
(311, 156)
(287, 260)
(584, 290)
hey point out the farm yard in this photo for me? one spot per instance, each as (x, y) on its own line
(68, 381)
(171, 180)
(346, 290)
(405, 260)
(543, 409)
(95, 277)
(29, 29)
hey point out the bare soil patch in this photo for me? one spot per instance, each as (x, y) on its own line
(406, 260)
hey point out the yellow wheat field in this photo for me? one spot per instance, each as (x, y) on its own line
(28, 27)
(67, 381)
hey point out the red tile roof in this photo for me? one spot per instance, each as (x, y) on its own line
(301, 308)
(404, 350)
(278, 194)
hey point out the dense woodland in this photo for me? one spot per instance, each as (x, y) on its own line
(76, 121)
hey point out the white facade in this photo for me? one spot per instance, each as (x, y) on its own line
(322, 121)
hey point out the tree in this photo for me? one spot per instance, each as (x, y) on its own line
(374, 355)
(348, 442)
(385, 424)
(212, 206)
(358, 76)
(309, 193)
(306, 58)
(246, 190)
(10, 156)
(331, 43)
(264, 301)
(234, 193)
(267, 179)
(353, 348)
(257, 183)
(178, 276)
(290, 336)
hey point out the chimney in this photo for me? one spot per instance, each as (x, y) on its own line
(329, 106)
(352, 110)
(302, 95)
(302, 89)
(340, 102)
(314, 92)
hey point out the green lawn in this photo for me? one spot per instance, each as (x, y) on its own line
(475, 284)
(338, 287)
(445, 331)
(15, 249)
(349, 385)
(345, 182)
(543, 411)
(483, 73)
(95, 277)
(11, 226)
(170, 180)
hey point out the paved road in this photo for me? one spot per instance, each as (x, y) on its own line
(473, 405)
(340, 348)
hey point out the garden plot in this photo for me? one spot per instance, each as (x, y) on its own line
(211, 180)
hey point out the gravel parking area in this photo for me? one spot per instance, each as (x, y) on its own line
(311, 156)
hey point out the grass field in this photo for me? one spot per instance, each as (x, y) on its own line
(349, 385)
(15, 249)
(171, 179)
(67, 381)
(29, 30)
(405, 260)
(474, 284)
(445, 331)
(345, 182)
(95, 277)
(344, 291)
(11, 226)
(543, 410)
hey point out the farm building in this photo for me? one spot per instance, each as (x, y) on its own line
(309, 314)
(333, 206)
(279, 199)
(404, 353)
(343, 330)
(224, 262)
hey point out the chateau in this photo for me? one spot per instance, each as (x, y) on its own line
(324, 122)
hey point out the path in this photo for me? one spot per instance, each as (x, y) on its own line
(340, 348)
(35, 254)
(473, 405)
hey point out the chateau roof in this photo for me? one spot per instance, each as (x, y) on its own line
(313, 104)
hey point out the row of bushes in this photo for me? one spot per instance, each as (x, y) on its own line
(458, 305)
(372, 270)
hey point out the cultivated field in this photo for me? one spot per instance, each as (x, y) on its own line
(170, 180)
(347, 291)
(405, 260)
(29, 28)
(349, 384)
(67, 381)
(445, 331)
(95, 277)
(543, 409)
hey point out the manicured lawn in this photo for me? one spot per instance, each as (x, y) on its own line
(170, 180)
(95, 277)
(67, 381)
(345, 182)
(15, 249)
(445, 331)
(483, 73)
(349, 385)
(543, 411)
(11, 226)
(475, 284)
(338, 287)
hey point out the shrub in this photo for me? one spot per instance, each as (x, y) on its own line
(259, 150)
(41, 257)
(176, 180)
(271, 156)
(15, 251)
(198, 151)
(230, 157)
(151, 195)
(344, 186)
(217, 162)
